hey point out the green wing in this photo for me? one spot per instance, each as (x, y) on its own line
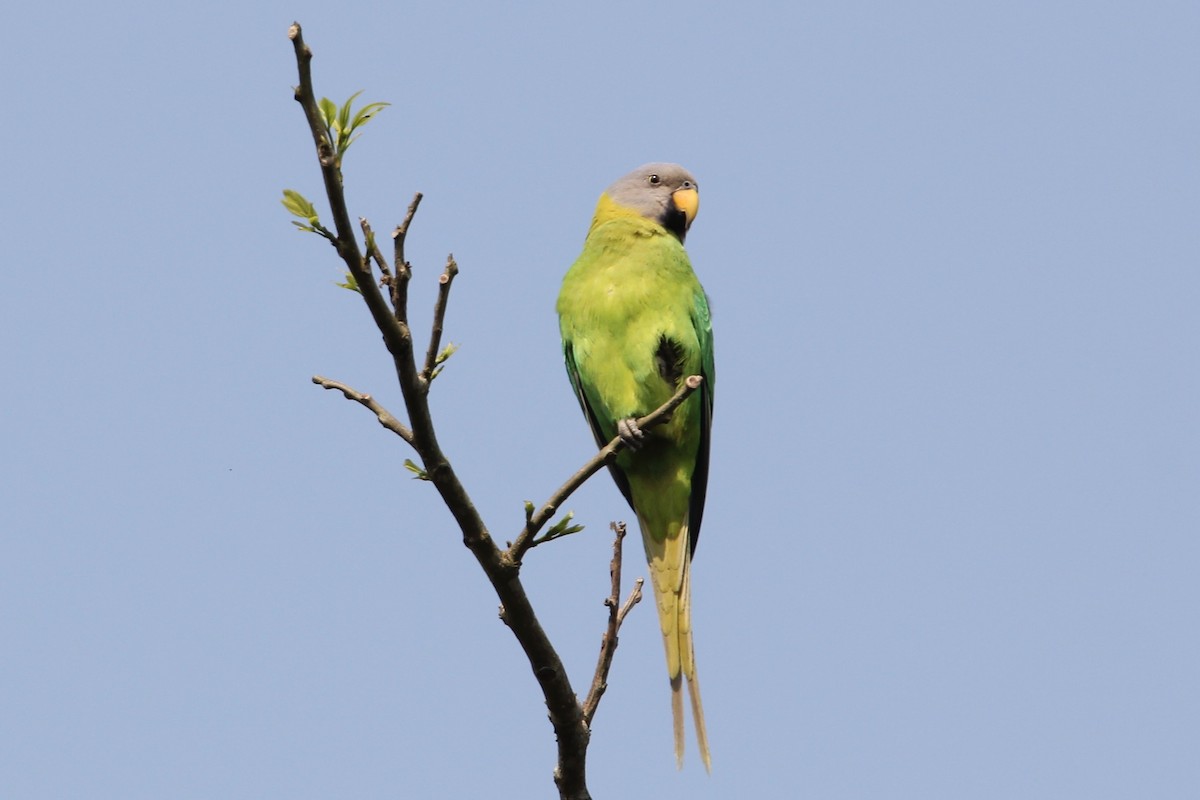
(601, 437)
(702, 322)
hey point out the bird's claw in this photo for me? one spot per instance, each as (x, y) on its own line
(631, 435)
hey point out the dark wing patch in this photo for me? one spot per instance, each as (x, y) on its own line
(669, 359)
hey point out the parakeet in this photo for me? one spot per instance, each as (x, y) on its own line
(635, 322)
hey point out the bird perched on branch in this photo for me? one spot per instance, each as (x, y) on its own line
(635, 323)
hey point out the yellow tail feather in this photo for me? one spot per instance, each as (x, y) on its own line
(670, 572)
(688, 653)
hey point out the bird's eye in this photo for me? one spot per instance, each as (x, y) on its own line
(654, 180)
(688, 185)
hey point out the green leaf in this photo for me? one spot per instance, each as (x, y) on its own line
(299, 206)
(351, 283)
(344, 112)
(418, 473)
(365, 114)
(329, 111)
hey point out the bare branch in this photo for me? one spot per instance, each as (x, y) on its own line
(439, 317)
(385, 417)
(616, 615)
(535, 521)
(635, 597)
(373, 251)
(403, 270)
(402, 229)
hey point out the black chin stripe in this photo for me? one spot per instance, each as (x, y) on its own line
(675, 221)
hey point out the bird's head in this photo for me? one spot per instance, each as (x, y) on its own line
(665, 193)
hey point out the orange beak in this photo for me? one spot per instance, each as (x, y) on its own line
(687, 201)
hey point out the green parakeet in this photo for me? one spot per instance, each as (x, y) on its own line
(635, 322)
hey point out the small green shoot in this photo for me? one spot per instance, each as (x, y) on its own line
(559, 529)
(441, 358)
(419, 474)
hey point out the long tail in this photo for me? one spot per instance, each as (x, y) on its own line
(670, 571)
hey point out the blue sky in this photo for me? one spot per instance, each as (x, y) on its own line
(950, 548)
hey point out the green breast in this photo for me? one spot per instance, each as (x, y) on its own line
(631, 287)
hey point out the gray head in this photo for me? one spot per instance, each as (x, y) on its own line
(665, 193)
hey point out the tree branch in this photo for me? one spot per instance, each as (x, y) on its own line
(385, 417)
(616, 615)
(566, 714)
(373, 251)
(534, 522)
(439, 316)
(395, 334)
(403, 270)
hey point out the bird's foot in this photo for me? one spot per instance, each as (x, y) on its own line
(630, 433)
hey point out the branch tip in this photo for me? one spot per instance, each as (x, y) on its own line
(402, 228)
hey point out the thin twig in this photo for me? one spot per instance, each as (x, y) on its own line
(374, 252)
(402, 229)
(635, 596)
(382, 414)
(439, 318)
(402, 267)
(616, 615)
(534, 522)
